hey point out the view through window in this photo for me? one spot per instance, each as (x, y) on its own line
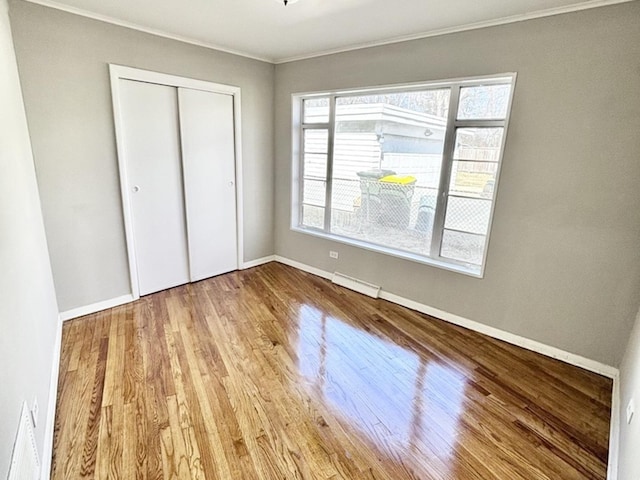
(409, 171)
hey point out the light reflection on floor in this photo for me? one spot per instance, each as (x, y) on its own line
(385, 391)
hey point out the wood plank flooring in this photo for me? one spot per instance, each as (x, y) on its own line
(272, 373)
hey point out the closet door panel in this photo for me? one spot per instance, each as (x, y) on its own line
(149, 115)
(208, 155)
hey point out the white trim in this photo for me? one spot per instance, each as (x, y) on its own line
(304, 267)
(119, 72)
(258, 261)
(124, 184)
(47, 449)
(237, 131)
(140, 28)
(496, 180)
(614, 430)
(533, 345)
(96, 307)
(149, 76)
(549, 12)
(358, 46)
(392, 252)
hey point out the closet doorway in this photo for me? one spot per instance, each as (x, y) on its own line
(179, 158)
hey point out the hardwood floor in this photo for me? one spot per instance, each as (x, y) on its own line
(272, 373)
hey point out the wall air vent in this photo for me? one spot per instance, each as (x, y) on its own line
(25, 463)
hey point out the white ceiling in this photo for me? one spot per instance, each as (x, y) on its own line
(268, 30)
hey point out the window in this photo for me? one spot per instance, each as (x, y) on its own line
(409, 170)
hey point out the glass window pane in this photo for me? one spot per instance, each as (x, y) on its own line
(433, 103)
(315, 154)
(315, 166)
(316, 110)
(479, 144)
(468, 215)
(312, 216)
(387, 160)
(314, 177)
(484, 102)
(314, 192)
(473, 179)
(316, 140)
(464, 247)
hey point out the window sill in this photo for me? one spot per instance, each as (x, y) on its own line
(465, 269)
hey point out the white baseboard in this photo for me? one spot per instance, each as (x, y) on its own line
(533, 345)
(257, 261)
(304, 267)
(614, 431)
(96, 307)
(47, 450)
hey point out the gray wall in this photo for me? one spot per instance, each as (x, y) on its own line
(63, 61)
(563, 265)
(28, 311)
(629, 461)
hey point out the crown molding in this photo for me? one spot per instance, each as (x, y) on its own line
(140, 28)
(576, 7)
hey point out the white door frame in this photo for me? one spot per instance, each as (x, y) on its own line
(119, 72)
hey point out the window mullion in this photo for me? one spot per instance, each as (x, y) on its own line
(445, 173)
(330, 149)
(301, 171)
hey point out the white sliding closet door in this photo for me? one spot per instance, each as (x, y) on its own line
(149, 117)
(208, 157)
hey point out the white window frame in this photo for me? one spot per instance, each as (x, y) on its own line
(298, 128)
